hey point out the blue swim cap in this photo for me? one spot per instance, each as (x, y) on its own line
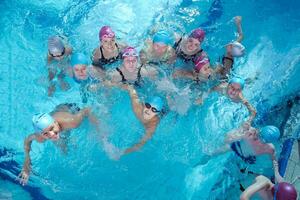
(79, 58)
(42, 121)
(163, 37)
(269, 134)
(157, 103)
(238, 80)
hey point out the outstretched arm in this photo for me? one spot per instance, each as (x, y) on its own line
(250, 108)
(278, 177)
(237, 134)
(217, 88)
(148, 135)
(238, 20)
(261, 182)
(86, 112)
(183, 74)
(135, 101)
(24, 175)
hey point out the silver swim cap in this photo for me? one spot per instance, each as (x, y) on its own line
(55, 45)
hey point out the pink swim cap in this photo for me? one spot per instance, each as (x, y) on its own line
(198, 34)
(106, 32)
(129, 51)
(284, 191)
(199, 62)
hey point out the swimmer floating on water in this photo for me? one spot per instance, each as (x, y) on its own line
(57, 62)
(51, 127)
(148, 114)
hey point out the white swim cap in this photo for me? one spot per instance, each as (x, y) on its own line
(237, 49)
(42, 121)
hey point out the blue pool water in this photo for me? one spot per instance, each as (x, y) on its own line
(163, 169)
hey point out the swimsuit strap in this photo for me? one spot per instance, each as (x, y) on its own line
(197, 80)
(104, 60)
(122, 75)
(227, 58)
(177, 44)
(101, 51)
(139, 76)
(249, 159)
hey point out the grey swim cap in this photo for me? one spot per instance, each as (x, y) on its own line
(55, 45)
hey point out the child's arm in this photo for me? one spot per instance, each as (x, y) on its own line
(86, 112)
(278, 177)
(172, 57)
(149, 71)
(24, 175)
(143, 53)
(237, 134)
(250, 108)
(148, 135)
(135, 102)
(183, 74)
(261, 182)
(217, 88)
(238, 20)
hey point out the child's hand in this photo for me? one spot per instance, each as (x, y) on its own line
(246, 126)
(198, 101)
(237, 19)
(23, 176)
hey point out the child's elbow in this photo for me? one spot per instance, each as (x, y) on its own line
(244, 196)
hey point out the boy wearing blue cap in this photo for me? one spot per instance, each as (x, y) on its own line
(147, 113)
(50, 127)
(159, 49)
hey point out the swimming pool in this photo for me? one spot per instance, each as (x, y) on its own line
(164, 167)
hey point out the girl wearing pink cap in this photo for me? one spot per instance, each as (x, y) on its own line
(109, 51)
(202, 71)
(189, 48)
(131, 72)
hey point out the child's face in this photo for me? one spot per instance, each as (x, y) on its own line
(252, 134)
(80, 72)
(130, 63)
(51, 132)
(159, 48)
(234, 90)
(192, 44)
(108, 44)
(149, 112)
(205, 71)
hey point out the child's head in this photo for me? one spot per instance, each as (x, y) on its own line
(46, 125)
(79, 64)
(235, 87)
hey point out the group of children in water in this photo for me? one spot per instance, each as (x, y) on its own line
(246, 142)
